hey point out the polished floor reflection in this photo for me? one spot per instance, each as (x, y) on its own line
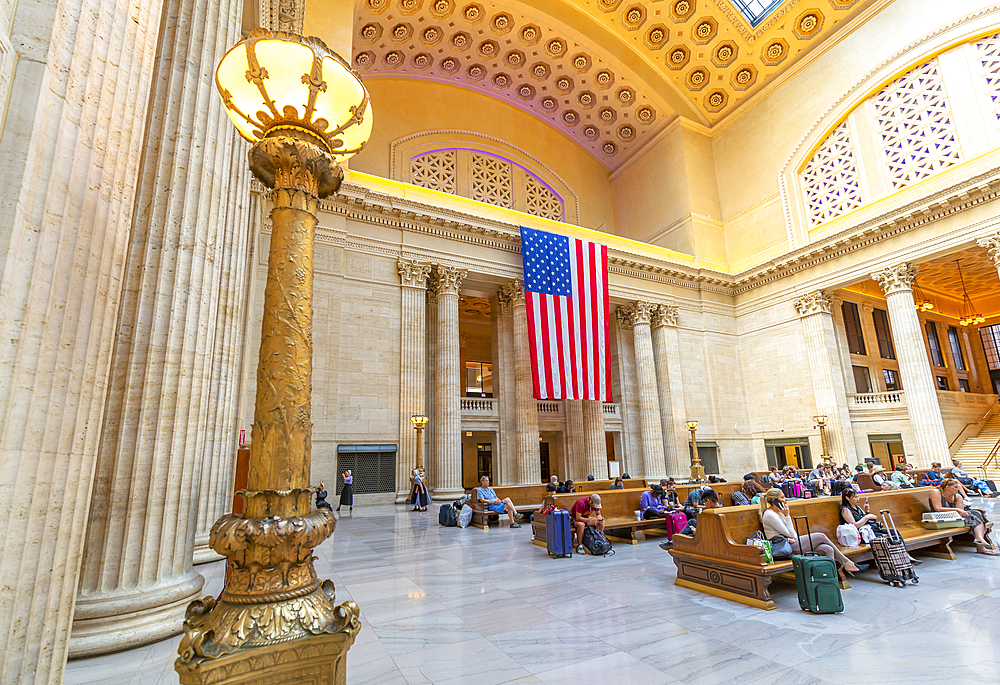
(444, 605)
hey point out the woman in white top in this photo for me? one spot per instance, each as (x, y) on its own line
(776, 520)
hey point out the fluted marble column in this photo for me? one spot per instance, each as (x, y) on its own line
(446, 480)
(914, 368)
(412, 352)
(815, 310)
(528, 462)
(650, 426)
(188, 241)
(504, 382)
(666, 350)
(992, 245)
(71, 147)
(574, 462)
(631, 446)
(229, 374)
(595, 450)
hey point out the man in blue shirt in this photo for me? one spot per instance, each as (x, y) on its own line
(487, 496)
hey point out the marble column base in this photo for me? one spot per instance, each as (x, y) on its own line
(140, 616)
(203, 554)
(446, 494)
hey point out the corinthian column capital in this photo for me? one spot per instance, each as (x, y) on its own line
(992, 245)
(816, 302)
(624, 320)
(511, 295)
(447, 280)
(413, 274)
(664, 315)
(896, 278)
(640, 312)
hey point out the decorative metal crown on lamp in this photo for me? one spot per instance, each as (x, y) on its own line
(419, 420)
(278, 83)
(691, 424)
(820, 420)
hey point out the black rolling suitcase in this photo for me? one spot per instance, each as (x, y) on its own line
(891, 558)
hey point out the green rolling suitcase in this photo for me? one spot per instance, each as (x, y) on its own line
(816, 579)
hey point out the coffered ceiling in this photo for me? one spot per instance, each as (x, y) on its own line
(608, 73)
(942, 275)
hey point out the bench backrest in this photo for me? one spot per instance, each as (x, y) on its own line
(615, 504)
(602, 485)
(918, 474)
(520, 495)
(724, 490)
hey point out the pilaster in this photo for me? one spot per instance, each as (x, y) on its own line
(666, 351)
(914, 368)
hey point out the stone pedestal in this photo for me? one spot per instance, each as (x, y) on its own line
(914, 368)
(650, 425)
(446, 474)
(413, 334)
(819, 336)
(528, 462)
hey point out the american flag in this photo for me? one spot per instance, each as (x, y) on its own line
(566, 291)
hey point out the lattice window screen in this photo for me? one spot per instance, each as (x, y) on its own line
(831, 180)
(491, 180)
(541, 201)
(916, 126)
(435, 170)
(988, 54)
(373, 467)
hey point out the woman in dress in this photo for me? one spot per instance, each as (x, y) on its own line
(347, 493)
(321, 497)
(948, 497)
(776, 519)
(420, 498)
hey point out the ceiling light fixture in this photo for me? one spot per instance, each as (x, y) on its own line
(970, 317)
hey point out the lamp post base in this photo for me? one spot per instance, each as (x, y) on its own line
(315, 660)
(698, 474)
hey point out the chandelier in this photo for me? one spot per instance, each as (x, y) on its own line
(920, 300)
(970, 317)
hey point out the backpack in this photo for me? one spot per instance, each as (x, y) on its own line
(447, 516)
(596, 542)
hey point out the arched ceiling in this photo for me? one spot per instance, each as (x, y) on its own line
(608, 73)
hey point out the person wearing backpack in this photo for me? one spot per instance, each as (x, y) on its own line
(586, 511)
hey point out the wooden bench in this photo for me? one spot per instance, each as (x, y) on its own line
(618, 508)
(918, 474)
(602, 485)
(717, 561)
(724, 490)
(526, 499)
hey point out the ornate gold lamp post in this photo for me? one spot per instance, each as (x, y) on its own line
(419, 421)
(303, 108)
(821, 422)
(697, 470)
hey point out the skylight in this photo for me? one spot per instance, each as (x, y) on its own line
(755, 11)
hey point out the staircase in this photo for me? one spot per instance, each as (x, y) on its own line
(975, 451)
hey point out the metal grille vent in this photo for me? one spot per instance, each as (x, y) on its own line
(373, 467)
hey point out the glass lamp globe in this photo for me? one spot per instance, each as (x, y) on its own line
(691, 424)
(279, 83)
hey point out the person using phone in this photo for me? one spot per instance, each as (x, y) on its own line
(948, 497)
(776, 519)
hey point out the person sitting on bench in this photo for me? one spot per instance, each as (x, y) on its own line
(776, 519)
(586, 511)
(745, 495)
(550, 489)
(568, 486)
(618, 484)
(670, 499)
(962, 476)
(487, 496)
(948, 497)
(651, 503)
(709, 500)
(934, 476)
(900, 478)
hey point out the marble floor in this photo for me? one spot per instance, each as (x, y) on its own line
(445, 605)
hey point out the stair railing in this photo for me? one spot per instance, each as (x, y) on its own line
(986, 416)
(982, 469)
(993, 455)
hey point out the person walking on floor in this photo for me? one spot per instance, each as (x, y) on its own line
(420, 498)
(347, 493)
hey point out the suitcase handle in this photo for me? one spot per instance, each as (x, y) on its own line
(890, 525)
(795, 524)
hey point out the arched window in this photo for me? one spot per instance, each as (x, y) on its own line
(486, 170)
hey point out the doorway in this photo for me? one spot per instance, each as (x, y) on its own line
(788, 452)
(543, 457)
(887, 450)
(484, 461)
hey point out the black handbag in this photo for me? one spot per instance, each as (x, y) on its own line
(781, 548)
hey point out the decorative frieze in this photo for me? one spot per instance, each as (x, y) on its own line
(413, 274)
(816, 302)
(896, 278)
